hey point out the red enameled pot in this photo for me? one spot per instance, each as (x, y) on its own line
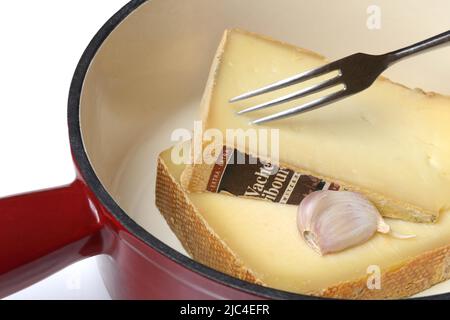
(148, 63)
(45, 231)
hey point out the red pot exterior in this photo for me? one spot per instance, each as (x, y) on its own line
(45, 231)
(42, 232)
(133, 270)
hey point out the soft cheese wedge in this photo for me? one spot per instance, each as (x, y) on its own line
(389, 142)
(258, 241)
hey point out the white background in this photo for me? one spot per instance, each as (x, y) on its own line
(40, 44)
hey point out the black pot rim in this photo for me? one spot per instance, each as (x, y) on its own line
(88, 174)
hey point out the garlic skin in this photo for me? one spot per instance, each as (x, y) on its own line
(331, 221)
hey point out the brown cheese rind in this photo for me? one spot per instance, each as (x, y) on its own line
(205, 246)
(403, 280)
(197, 238)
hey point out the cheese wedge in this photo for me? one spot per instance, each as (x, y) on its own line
(258, 241)
(388, 142)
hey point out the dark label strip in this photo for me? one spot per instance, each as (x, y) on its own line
(243, 175)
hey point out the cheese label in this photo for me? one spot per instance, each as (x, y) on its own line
(240, 174)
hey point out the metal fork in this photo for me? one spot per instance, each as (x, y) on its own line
(356, 73)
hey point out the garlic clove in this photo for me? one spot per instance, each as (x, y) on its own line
(331, 221)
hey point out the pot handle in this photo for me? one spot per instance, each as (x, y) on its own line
(42, 232)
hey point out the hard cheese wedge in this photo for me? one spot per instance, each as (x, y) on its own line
(258, 241)
(389, 142)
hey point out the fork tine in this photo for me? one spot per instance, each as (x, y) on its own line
(287, 82)
(303, 108)
(296, 95)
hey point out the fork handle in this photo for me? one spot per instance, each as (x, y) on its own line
(433, 42)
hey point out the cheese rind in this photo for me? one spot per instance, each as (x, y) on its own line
(258, 241)
(194, 232)
(389, 140)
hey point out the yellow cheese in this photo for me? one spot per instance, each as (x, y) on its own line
(258, 241)
(389, 140)
(265, 237)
